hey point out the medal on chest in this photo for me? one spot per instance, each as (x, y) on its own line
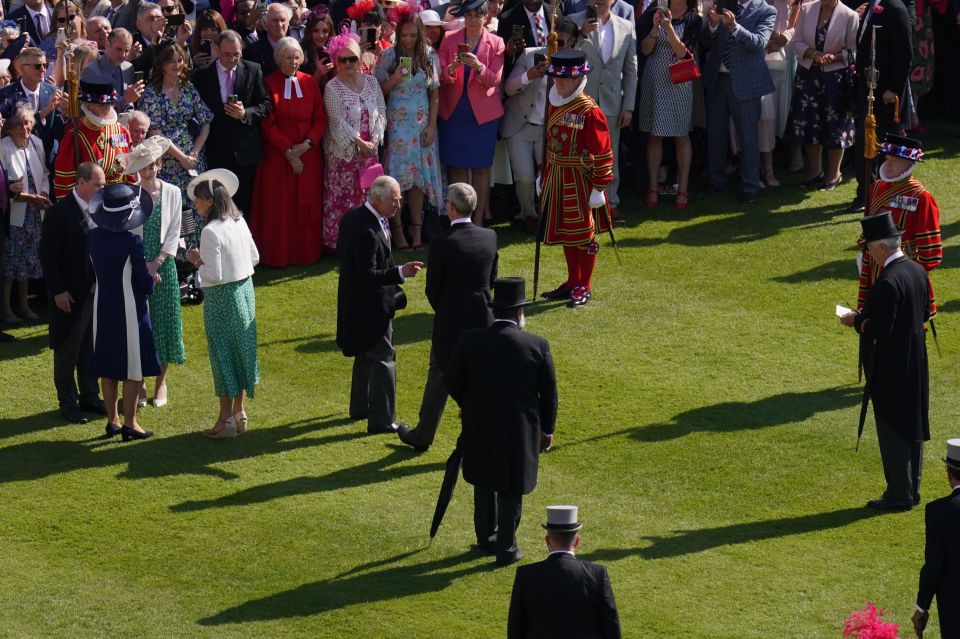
(905, 203)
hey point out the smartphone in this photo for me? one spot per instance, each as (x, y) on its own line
(591, 13)
(173, 25)
(137, 76)
(61, 36)
(232, 98)
(205, 47)
(538, 58)
(662, 5)
(462, 48)
(518, 33)
(406, 63)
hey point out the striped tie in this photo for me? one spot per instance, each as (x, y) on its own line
(728, 45)
(541, 38)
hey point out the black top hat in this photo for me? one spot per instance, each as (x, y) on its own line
(465, 6)
(509, 292)
(96, 88)
(878, 227)
(569, 64)
(120, 207)
(906, 148)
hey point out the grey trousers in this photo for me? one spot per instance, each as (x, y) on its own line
(496, 517)
(526, 153)
(902, 463)
(722, 104)
(73, 357)
(432, 405)
(373, 389)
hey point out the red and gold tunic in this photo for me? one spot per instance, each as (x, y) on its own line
(101, 145)
(578, 160)
(916, 214)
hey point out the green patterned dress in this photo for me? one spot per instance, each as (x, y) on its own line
(230, 319)
(165, 301)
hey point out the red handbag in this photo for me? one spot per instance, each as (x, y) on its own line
(684, 70)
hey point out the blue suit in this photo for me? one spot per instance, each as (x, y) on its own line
(619, 8)
(737, 94)
(49, 129)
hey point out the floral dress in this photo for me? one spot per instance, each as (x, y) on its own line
(164, 302)
(180, 123)
(408, 114)
(921, 74)
(22, 250)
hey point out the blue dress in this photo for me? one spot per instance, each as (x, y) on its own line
(123, 346)
(465, 144)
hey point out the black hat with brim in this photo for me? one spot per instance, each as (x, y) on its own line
(465, 6)
(569, 64)
(901, 147)
(120, 207)
(879, 226)
(509, 292)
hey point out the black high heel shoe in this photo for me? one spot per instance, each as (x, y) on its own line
(113, 430)
(816, 180)
(128, 433)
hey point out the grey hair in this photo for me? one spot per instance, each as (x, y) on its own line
(21, 113)
(138, 115)
(285, 44)
(462, 197)
(892, 243)
(228, 36)
(147, 7)
(381, 187)
(96, 19)
(11, 33)
(287, 11)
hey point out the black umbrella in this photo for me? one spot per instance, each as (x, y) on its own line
(446, 488)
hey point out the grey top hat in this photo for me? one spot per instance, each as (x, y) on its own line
(562, 519)
(952, 460)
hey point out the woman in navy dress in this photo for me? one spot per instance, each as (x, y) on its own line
(123, 347)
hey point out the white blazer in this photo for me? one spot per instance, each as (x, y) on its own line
(171, 210)
(14, 162)
(841, 34)
(228, 252)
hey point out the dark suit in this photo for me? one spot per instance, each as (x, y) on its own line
(461, 267)
(895, 350)
(940, 574)
(235, 144)
(261, 52)
(562, 596)
(50, 128)
(366, 293)
(35, 36)
(518, 16)
(63, 255)
(505, 383)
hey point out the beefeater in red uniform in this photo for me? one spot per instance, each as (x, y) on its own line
(913, 208)
(578, 165)
(99, 137)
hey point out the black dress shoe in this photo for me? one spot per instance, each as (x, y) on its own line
(113, 430)
(6, 337)
(747, 197)
(488, 548)
(73, 415)
(405, 433)
(128, 433)
(815, 181)
(562, 292)
(916, 499)
(885, 503)
(509, 559)
(93, 407)
(388, 428)
(857, 206)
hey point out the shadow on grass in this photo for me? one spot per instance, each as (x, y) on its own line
(845, 269)
(185, 454)
(947, 307)
(31, 424)
(777, 410)
(33, 344)
(269, 276)
(373, 472)
(687, 542)
(352, 589)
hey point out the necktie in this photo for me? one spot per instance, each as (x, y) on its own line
(32, 101)
(111, 16)
(288, 82)
(386, 228)
(541, 39)
(728, 45)
(40, 29)
(228, 86)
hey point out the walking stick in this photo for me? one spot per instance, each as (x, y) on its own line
(870, 148)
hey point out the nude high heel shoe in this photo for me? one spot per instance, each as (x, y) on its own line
(240, 419)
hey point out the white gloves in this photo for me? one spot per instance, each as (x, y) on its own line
(596, 199)
(859, 263)
(539, 186)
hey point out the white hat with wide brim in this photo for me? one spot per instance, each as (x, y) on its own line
(145, 154)
(223, 176)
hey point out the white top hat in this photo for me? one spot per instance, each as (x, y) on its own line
(430, 18)
(562, 519)
(953, 454)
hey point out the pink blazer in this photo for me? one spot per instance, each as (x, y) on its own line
(841, 34)
(483, 90)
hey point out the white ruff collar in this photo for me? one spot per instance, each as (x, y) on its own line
(557, 101)
(98, 121)
(895, 178)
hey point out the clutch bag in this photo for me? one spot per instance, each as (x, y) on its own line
(684, 70)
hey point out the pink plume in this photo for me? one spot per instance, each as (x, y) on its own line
(866, 624)
(337, 42)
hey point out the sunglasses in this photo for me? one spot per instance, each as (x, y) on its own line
(351, 60)
(169, 9)
(63, 19)
(39, 66)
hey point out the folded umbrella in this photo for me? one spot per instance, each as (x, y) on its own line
(450, 475)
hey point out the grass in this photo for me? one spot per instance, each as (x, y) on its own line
(707, 420)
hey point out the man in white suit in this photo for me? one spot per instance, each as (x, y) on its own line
(610, 44)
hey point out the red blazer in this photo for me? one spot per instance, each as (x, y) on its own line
(483, 90)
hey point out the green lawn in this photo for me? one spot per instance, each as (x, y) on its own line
(708, 408)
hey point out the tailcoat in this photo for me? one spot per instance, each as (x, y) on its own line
(63, 254)
(940, 574)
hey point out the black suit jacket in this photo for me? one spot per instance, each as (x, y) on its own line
(50, 129)
(35, 37)
(940, 574)
(895, 346)
(894, 56)
(261, 52)
(506, 385)
(368, 284)
(518, 16)
(233, 140)
(562, 596)
(63, 255)
(461, 267)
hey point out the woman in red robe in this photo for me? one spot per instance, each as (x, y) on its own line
(288, 192)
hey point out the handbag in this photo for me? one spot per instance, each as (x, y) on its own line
(684, 70)
(369, 174)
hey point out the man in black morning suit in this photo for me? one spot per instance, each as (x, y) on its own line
(461, 267)
(368, 294)
(562, 596)
(234, 142)
(525, 15)
(63, 255)
(505, 383)
(940, 574)
(895, 361)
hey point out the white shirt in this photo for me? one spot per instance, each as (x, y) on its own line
(605, 35)
(461, 220)
(36, 95)
(46, 18)
(896, 255)
(85, 207)
(222, 74)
